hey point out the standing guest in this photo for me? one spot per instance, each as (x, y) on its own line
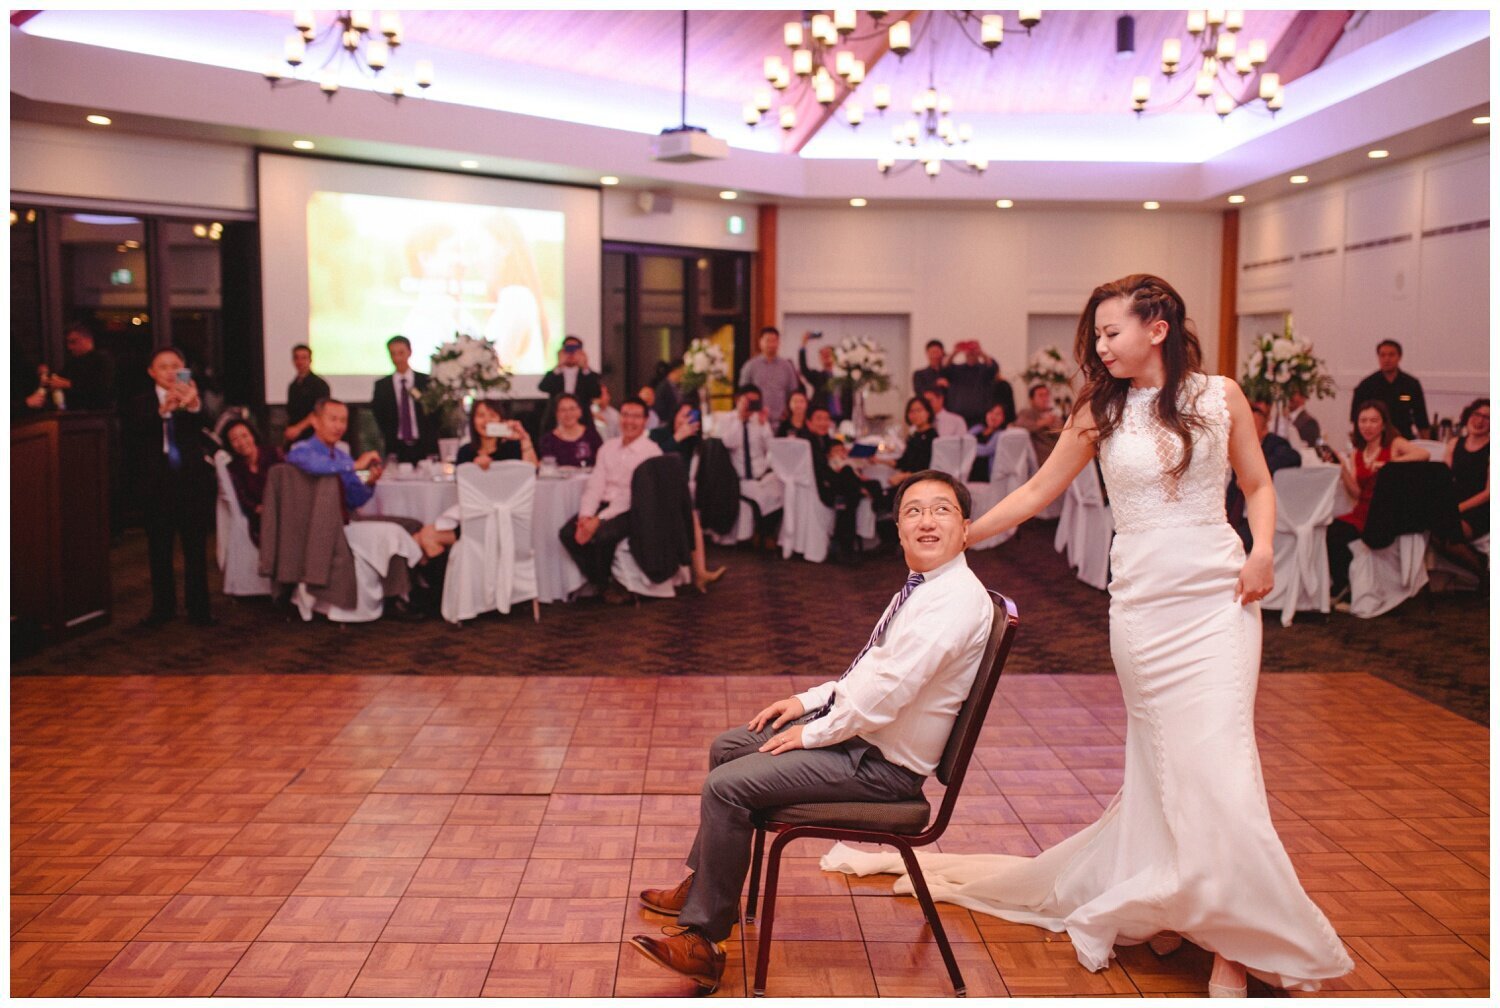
(1399, 391)
(87, 378)
(668, 392)
(920, 433)
(840, 404)
(931, 375)
(606, 417)
(603, 517)
(247, 468)
(320, 455)
(947, 424)
(794, 420)
(775, 376)
(684, 437)
(1296, 420)
(972, 376)
(169, 445)
(1469, 457)
(575, 441)
(302, 394)
(873, 734)
(1376, 442)
(986, 438)
(647, 394)
(1279, 454)
(405, 427)
(492, 438)
(572, 374)
(1042, 419)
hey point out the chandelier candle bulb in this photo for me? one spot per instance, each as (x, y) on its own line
(930, 99)
(791, 34)
(933, 167)
(1141, 91)
(390, 24)
(898, 133)
(752, 115)
(303, 20)
(1223, 105)
(1171, 53)
(1257, 51)
(917, 108)
(1242, 64)
(913, 132)
(945, 104)
(1269, 84)
(885, 164)
(360, 20)
(783, 78)
(328, 83)
(1276, 101)
(965, 132)
(882, 96)
(788, 117)
(772, 67)
(900, 38)
(1195, 22)
(1234, 20)
(823, 90)
(843, 63)
(351, 39)
(856, 73)
(763, 100)
(855, 114)
(1225, 51)
(822, 26)
(845, 20)
(296, 50)
(377, 54)
(991, 31)
(802, 62)
(1215, 18)
(1205, 85)
(423, 72)
(980, 164)
(1029, 18)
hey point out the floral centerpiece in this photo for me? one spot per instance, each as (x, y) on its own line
(704, 362)
(1279, 367)
(1048, 367)
(859, 366)
(466, 367)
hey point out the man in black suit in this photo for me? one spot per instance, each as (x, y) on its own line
(841, 403)
(1401, 393)
(408, 431)
(87, 378)
(841, 488)
(168, 449)
(572, 375)
(302, 394)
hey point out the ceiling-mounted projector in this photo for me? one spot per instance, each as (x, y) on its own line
(687, 143)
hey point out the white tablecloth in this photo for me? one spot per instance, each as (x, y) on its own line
(556, 501)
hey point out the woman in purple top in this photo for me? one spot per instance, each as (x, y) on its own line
(247, 471)
(574, 441)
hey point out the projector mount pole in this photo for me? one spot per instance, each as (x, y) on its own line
(684, 65)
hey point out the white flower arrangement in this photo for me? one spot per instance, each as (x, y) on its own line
(859, 364)
(1048, 367)
(703, 362)
(1279, 366)
(464, 366)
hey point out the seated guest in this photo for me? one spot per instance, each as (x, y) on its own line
(574, 441)
(606, 417)
(572, 375)
(1376, 442)
(871, 735)
(1468, 456)
(747, 438)
(839, 485)
(685, 434)
(1042, 419)
(647, 395)
(945, 423)
(919, 437)
(603, 517)
(1297, 421)
(794, 421)
(493, 438)
(320, 455)
(1279, 454)
(247, 470)
(986, 437)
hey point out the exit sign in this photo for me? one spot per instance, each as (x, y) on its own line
(736, 224)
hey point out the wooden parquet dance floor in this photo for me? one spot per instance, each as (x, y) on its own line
(326, 835)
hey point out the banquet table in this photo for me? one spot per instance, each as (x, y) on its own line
(557, 499)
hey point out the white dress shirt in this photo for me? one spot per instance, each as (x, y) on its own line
(570, 379)
(950, 425)
(609, 483)
(760, 443)
(904, 694)
(163, 412)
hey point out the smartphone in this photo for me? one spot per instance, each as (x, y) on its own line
(817, 334)
(494, 429)
(184, 375)
(1327, 455)
(364, 475)
(695, 416)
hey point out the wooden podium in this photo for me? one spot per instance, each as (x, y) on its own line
(59, 523)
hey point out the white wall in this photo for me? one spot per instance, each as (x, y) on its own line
(979, 274)
(1427, 290)
(694, 223)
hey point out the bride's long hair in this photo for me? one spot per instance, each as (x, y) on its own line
(1150, 299)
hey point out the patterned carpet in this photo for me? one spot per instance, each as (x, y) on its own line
(766, 617)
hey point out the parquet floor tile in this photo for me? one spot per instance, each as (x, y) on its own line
(816, 968)
(237, 875)
(121, 874)
(542, 970)
(426, 970)
(211, 919)
(491, 878)
(450, 920)
(329, 919)
(916, 969)
(273, 839)
(72, 918)
(296, 969)
(358, 876)
(563, 920)
(161, 969)
(57, 968)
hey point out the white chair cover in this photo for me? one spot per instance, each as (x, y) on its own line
(448, 448)
(1304, 507)
(238, 556)
(627, 571)
(1380, 580)
(1451, 576)
(1086, 529)
(493, 563)
(374, 545)
(806, 522)
(1012, 465)
(1435, 449)
(954, 455)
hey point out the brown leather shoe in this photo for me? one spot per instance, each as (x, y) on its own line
(668, 901)
(687, 953)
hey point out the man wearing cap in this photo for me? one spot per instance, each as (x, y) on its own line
(572, 375)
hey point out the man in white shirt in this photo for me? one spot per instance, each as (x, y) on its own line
(603, 517)
(747, 436)
(947, 424)
(873, 734)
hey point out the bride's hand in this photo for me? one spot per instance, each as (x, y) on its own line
(1256, 578)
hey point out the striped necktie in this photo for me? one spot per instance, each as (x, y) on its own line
(880, 628)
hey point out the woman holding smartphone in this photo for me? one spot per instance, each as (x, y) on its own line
(494, 438)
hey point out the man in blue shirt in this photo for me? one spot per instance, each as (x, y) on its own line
(320, 455)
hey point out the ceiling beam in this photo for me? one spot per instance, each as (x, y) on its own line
(1304, 46)
(20, 17)
(810, 115)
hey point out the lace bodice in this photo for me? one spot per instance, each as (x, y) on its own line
(1137, 457)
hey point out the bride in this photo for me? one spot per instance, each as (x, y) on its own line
(1187, 847)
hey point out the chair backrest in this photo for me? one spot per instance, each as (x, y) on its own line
(226, 485)
(1305, 495)
(965, 733)
(511, 481)
(791, 459)
(954, 455)
(1012, 451)
(1435, 450)
(1086, 488)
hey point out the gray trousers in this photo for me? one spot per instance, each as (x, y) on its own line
(742, 779)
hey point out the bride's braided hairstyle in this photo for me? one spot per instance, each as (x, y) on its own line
(1149, 298)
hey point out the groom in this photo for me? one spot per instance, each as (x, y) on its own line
(873, 734)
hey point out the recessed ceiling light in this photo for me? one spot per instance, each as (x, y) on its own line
(728, 194)
(1236, 198)
(1378, 154)
(1483, 120)
(468, 163)
(859, 201)
(303, 144)
(1005, 204)
(1151, 204)
(99, 120)
(609, 180)
(1298, 180)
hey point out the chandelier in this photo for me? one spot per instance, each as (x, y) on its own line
(931, 131)
(352, 38)
(1219, 66)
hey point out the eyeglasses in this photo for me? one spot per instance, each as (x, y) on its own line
(941, 511)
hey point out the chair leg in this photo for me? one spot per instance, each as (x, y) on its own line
(767, 917)
(755, 858)
(536, 611)
(919, 885)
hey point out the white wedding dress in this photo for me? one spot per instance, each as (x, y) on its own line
(1187, 845)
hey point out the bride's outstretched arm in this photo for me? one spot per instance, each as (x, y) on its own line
(1075, 449)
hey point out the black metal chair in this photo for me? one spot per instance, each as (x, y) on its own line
(903, 825)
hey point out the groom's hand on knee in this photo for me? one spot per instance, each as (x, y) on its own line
(784, 742)
(778, 714)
